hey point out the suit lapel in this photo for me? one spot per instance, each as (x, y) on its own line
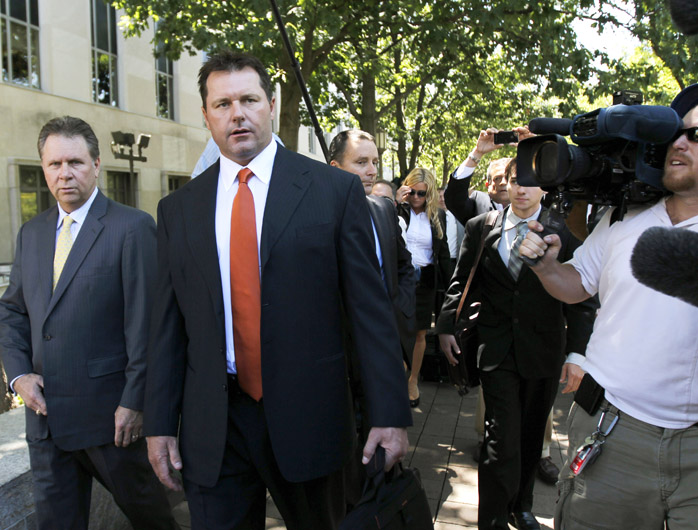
(492, 243)
(47, 248)
(289, 182)
(89, 232)
(380, 221)
(199, 203)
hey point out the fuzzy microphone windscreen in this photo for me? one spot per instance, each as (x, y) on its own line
(666, 259)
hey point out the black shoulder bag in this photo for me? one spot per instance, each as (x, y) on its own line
(465, 374)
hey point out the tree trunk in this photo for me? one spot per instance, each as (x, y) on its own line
(401, 135)
(369, 117)
(289, 112)
(446, 165)
(400, 122)
(416, 136)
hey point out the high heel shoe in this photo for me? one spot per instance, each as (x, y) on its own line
(412, 390)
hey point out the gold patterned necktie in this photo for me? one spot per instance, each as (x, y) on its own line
(63, 246)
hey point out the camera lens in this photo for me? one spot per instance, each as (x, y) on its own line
(545, 164)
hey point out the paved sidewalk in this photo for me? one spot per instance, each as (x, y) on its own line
(441, 445)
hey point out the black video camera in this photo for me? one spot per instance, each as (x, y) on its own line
(618, 159)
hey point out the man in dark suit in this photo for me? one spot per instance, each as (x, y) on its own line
(355, 151)
(465, 205)
(524, 333)
(73, 328)
(251, 374)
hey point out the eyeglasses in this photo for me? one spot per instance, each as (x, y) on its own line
(420, 193)
(691, 135)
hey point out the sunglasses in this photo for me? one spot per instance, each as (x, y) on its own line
(420, 193)
(691, 135)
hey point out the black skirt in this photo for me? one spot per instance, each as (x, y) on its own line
(426, 292)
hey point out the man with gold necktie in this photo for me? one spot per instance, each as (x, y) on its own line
(247, 378)
(73, 335)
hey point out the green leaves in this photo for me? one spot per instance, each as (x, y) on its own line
(431, 73)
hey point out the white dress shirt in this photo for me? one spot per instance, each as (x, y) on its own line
(509, 223)
(261, 166)
(418, 239)
(452, 235)
(78, 216)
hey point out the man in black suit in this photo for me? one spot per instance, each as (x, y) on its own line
(74, 330)
(355, 151)
(465, 205)
(251, 375)
(524, 333)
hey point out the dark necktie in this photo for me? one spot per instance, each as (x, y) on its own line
(245, 297)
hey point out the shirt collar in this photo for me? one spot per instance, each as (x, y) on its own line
(659, 209)
(78, 215)
(511, 219)
(261, 166)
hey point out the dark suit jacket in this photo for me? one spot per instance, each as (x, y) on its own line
(88, 339)
(398, 269)
(439, 246)
(317, 253)
(463, 205)
(518, 315)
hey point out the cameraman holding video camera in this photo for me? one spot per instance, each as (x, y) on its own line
(633, 431)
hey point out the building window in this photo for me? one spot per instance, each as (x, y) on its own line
(121, 187)
(104, 78)
(164, 82)
(174, 182)
(19, 42)
(311, 140)
(34, 195)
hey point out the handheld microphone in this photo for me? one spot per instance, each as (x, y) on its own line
(559, 126)
(666, 260)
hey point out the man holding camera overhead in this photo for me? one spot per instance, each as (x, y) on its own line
(633, 431)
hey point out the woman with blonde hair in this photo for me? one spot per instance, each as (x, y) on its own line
(425, 238)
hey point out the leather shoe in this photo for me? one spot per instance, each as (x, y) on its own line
(547, 470)
(524, 521)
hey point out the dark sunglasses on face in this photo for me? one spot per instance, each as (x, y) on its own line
(420, 193)
(691, 134)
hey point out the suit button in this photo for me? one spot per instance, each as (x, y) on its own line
(516, 293)
(47, 337)
(225, 388)
(516, 320)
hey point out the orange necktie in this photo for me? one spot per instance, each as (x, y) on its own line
(245, 294)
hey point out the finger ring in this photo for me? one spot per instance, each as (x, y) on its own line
(134, 437)
(38, 412)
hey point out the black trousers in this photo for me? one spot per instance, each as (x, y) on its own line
(516, 411)
(238, 500)
(63, 485)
